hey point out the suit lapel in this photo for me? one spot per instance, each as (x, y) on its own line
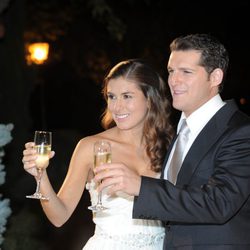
(205, 140)
(202, 144)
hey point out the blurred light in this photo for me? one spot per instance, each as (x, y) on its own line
(243, 101)
(37, 53)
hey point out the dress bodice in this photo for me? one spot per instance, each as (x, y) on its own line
(116, 226)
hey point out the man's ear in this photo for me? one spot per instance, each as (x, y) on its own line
(216, 77)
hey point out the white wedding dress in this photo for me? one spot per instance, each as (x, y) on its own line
(116, 230)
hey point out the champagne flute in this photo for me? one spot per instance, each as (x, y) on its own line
(102, 154)
(43, 141)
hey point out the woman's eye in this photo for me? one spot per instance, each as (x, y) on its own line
(127, 96)
(110, 96)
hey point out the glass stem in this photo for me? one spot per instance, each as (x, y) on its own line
(40, 172)
(99, 198)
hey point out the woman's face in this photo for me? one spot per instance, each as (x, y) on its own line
(126, 103)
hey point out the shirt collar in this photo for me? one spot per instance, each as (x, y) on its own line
(199, 118)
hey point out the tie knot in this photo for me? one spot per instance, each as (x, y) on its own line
(184, 130)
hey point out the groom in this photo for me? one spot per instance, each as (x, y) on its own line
(208, 206)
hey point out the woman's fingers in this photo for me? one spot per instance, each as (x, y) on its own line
(52, 153)
(29, 158)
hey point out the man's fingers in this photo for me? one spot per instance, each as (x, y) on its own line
(106, 167)
(107, 173)
(113, 185)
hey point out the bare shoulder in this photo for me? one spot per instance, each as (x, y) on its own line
(86, 144)
(105, 135)
(82, 158)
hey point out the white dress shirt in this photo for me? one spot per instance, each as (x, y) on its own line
(196, 122)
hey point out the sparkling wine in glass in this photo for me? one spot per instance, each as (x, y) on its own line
(102, 154)
(43, 141)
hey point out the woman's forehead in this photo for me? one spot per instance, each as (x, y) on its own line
(122, 85)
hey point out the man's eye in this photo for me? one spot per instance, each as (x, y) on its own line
(187, 72)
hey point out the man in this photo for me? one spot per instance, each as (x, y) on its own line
(207, 206)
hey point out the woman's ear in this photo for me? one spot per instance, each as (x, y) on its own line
(148, 103)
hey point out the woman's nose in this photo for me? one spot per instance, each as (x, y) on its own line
(117, 105)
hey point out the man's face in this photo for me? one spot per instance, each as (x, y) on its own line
(190, 84)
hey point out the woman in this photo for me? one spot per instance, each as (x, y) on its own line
(138, 127)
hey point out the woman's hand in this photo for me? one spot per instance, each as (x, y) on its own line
(29, 158)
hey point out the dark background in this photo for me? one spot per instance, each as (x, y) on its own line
(86, 38)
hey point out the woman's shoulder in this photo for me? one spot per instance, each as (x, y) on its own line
(91, 139)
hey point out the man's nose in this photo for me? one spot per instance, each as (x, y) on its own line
(174, 79)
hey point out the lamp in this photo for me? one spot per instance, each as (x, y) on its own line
(37, 53)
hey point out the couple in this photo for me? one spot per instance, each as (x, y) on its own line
(207, 206)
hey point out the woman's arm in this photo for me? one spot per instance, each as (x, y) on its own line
(61, 205)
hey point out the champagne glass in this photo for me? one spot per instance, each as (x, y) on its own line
(42, 140)
(102, 154)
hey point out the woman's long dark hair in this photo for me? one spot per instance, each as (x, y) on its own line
(157, 131)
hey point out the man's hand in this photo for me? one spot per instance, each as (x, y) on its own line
(118, 177)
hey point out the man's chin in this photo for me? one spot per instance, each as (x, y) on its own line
(177, 105)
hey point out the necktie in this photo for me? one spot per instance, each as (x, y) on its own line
(176, 160)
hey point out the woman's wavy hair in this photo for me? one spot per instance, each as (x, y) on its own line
(158, 130)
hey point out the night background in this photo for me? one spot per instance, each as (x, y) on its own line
(63, 95)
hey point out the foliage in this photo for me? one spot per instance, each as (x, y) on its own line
(25, 231)
(91, 35)
(3, 5)
(5, 211)
(45, 25)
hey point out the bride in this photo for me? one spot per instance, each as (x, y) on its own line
(137, 125)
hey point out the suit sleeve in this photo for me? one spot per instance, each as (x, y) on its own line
(224, 192)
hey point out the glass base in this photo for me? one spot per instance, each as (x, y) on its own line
(97, 208)
(38, 196)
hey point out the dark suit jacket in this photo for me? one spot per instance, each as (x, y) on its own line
(209, 208)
